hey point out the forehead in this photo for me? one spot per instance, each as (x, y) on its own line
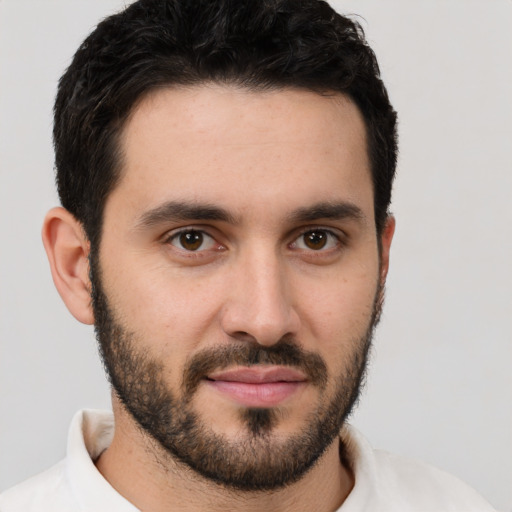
(228, 145)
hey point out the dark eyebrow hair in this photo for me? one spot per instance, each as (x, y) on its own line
(328, 210)
(173, 211)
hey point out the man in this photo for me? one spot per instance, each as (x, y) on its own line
(225, 171)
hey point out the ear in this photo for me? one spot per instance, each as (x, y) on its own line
(67, 248)
(385, 245)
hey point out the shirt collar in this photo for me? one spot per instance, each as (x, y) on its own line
(90, 433)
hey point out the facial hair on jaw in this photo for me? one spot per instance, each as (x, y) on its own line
(259, 461)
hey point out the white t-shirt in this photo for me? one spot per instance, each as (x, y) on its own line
(383, 482)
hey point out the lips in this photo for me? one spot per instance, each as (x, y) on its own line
(259, 387)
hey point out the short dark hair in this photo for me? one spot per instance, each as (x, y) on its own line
(257, 44)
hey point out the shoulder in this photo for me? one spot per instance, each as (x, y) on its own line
(48, 491)
(388, 482)
(426, 486)
(74, 482)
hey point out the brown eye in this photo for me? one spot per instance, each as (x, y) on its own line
(315, 240)
(192, 240)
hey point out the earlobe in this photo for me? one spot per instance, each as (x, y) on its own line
(67, 249)
(386, 239)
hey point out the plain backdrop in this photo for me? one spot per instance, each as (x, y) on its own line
(440, 384)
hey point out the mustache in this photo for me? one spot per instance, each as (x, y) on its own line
(283, 353)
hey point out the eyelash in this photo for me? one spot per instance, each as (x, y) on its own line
(339, 242)
(195, 253)
(331, 234)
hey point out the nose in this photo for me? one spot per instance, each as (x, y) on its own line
(260, 307)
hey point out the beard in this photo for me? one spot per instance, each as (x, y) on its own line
(259, 460)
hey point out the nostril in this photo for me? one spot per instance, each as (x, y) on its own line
(243, 336)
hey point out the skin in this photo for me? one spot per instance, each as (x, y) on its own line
(262, 157)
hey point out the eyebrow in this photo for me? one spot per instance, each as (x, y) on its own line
(328, 210)
(178, 211)
(175, 211)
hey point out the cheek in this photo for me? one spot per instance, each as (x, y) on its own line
(337, 311)
(170, 314)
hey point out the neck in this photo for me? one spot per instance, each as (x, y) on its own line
(136, 467)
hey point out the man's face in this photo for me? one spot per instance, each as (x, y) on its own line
(238, 276)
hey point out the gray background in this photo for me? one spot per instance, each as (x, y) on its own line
(440, 385)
